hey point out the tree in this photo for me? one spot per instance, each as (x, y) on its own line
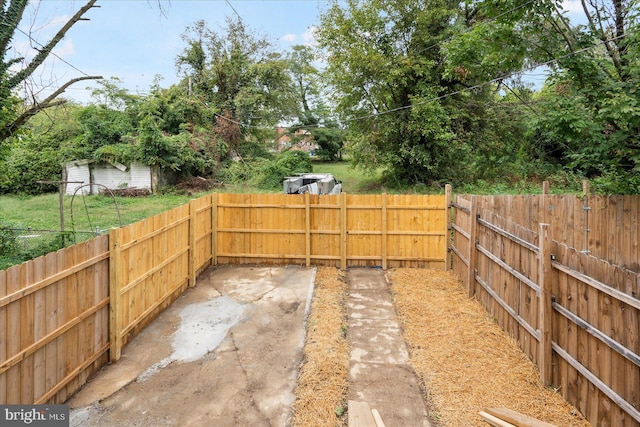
(588, 114)
(239, 76)
(13, 115)
(386, 64)
(313, 116)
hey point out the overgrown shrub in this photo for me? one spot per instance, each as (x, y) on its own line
(272, 173)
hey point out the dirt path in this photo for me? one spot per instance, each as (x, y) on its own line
(227, 353)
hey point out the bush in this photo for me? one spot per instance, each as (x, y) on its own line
(272, 173)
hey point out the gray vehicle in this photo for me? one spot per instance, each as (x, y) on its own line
(312, 183)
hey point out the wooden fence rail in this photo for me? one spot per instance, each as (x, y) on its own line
(65, 315)
(574, 315)
(603, 226)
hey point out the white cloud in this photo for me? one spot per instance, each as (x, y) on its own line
(309, 36)
(289, 38)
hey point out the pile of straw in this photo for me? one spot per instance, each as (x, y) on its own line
(466, 362)
(321, 391)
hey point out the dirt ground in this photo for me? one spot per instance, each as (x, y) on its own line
(227, 353)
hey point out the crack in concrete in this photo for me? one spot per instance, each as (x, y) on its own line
(248, 381)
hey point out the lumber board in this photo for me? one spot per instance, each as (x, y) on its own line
(377, 418)
(516, 418)
(360, 415)
(494, 421)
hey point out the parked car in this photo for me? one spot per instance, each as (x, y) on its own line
(312, 183)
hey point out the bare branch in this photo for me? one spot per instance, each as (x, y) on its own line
(44, 52)
(36, 107)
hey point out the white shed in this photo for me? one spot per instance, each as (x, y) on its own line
(111, 175)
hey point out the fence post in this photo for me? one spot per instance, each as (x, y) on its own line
(473, 237)
(343, 231)
(447, 227)
(384, 231)
(214, 229)
(586, 187)
(192, 244)
(545, 310)
(115, 339)
(307, 227)
(545, 187)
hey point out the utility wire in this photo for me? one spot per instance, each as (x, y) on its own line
(450, 94)
(52, 53)
(480, 85)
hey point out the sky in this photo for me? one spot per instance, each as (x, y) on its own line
(135, 41)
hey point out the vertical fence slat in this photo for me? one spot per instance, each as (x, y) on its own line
(473, 237)
(307, 228)
(214, 229)
(544, 307)
(115, 320)
(4, 326)
(343, 231)
(447, 227)
(193, 233)
(385, 230)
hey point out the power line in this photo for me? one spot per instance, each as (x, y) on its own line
(447, 95)
(234, 9)
(480, 85)
(52, 53)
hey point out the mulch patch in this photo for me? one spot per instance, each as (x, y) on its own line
(465, 360)
(321, 391)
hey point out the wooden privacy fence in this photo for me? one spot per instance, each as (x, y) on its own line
(606, 227)
(64, 315)
(54, 323)
(574, 315)
(337, 230)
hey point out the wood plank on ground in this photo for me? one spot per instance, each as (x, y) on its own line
(360, 415)
(516, 418)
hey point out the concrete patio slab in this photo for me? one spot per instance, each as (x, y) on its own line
(226, 353)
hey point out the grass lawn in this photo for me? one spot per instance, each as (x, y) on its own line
(353, 180)
(87, 213)
(82, 213)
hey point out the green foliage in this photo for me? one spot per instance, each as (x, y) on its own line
(616, 181)
(12, 252)
(167, 152)
(380, 59)
(8, 241)
(587, 117)
(272, 173)
(330, 141)
(266, 173)
(100, 126)
(26, 165)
